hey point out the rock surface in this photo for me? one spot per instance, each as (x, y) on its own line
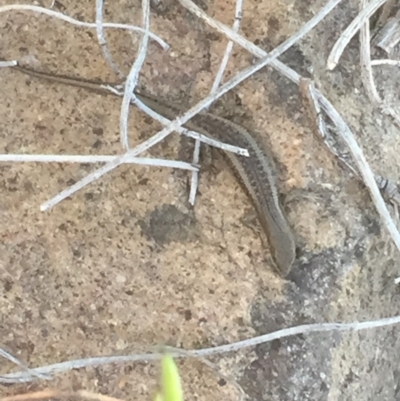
(126, 264)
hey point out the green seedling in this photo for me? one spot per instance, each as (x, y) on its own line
(171, 388)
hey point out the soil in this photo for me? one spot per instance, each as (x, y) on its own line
(126, 264)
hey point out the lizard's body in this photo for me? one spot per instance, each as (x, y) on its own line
(256, 172)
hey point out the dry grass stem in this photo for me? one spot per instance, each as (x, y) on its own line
(23, 377)
(103, 42)
(351, 30)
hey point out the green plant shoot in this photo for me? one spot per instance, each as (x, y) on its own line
(171, 381)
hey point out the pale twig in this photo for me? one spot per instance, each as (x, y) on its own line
(250, 46)
(229, 46)
(217, 82)
(365, 60)
(367, 73)
(392, 37)
(395, 63)
(66, 18)
(20, 377)
(102, 40)
(179, 121)
(388, 37)
(336, 118)
(350, 31)
(125, 158)
(11, 63)
(117, 161)
(363, 167)
(309, 97)
(210, 141)
(133, 76)
(191, 134)
(195, 174)
(21, 158)
(308, 92)
(55, 393)
(23, 366)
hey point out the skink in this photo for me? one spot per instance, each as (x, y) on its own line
(256, 173)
